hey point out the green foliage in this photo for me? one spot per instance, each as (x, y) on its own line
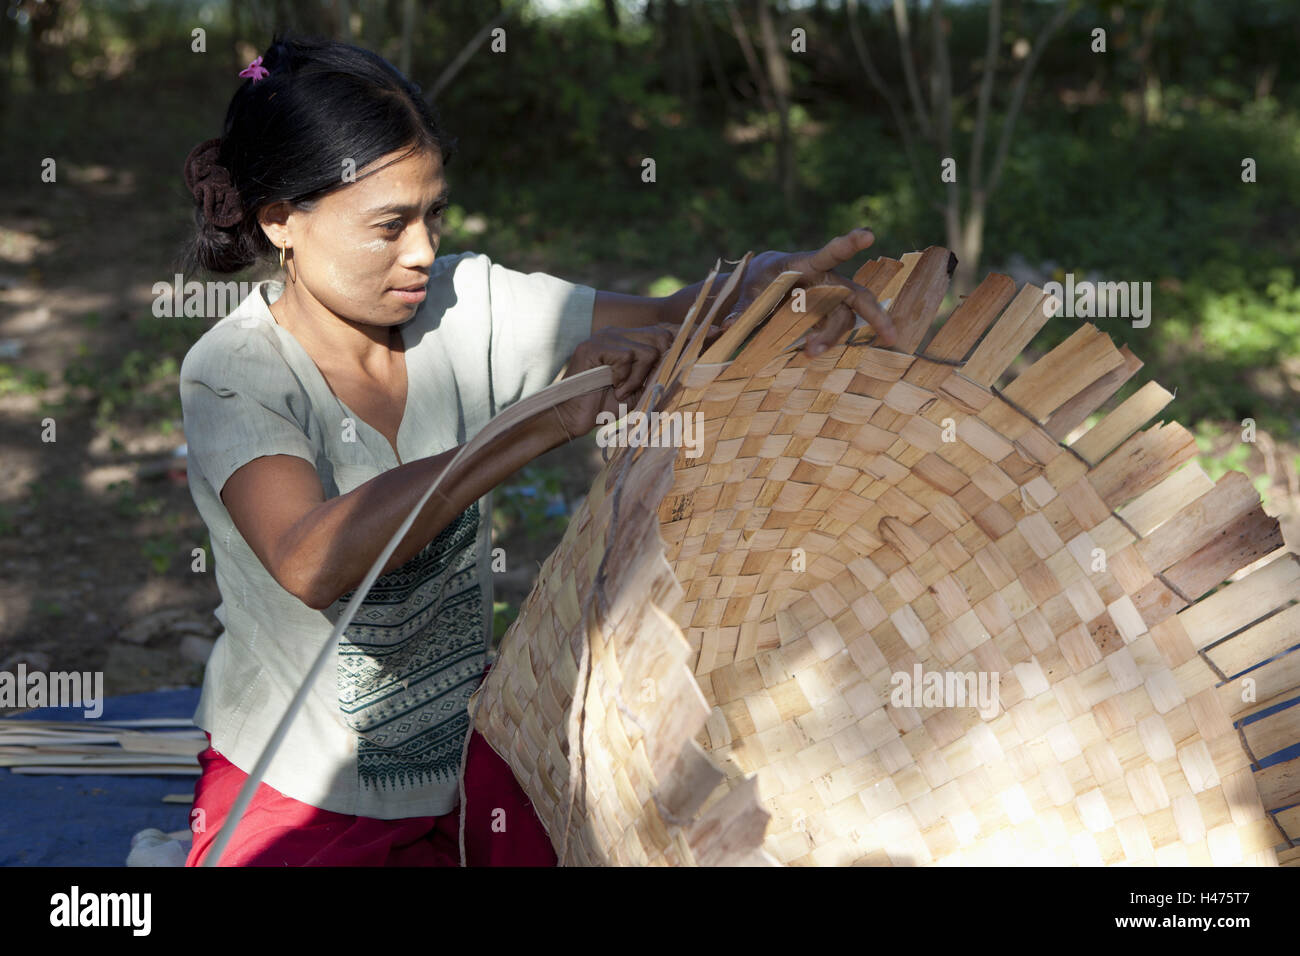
(503, 615)
(22, 381)
(1233, 457)
(553, 135)
(48, 609)
(159, 552)
(141, 381)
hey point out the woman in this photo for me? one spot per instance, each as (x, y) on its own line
(318, 413)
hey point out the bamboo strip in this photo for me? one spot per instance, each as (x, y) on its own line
(49, 758)
(1027, 313)
(1252, 536)
(1273, 733)
(919, 298)
(1188, 530)
(783, 329)
(755, 313)
(1270, 680)
(1279, 785)
(895, 283)
(1076, 411)
(1142, 462)
(957, 336)
(114, 771)
(1068, 369)
(1113, 430)
(691, 353)
(875, 276)
(1153, 508)
(695, 315)
(1242, 602)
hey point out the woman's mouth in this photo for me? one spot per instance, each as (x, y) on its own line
(411, 294)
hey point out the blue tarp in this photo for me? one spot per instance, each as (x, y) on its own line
(89, 819)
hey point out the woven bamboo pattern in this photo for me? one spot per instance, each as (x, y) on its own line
(872, 513)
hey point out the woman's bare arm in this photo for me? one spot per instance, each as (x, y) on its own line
(320, 549)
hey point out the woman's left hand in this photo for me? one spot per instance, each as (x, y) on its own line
(817, 266)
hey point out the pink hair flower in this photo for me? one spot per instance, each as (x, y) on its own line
(255, 70)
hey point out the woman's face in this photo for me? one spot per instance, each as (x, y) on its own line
(362, 244)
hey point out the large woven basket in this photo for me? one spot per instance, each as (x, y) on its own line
(711, 668)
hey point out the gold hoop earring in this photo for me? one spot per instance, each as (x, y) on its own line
(282, 248)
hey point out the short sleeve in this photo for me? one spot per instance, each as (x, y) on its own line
(240, 401)
(537, 322)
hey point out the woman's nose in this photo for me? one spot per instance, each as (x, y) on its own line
(421, 250)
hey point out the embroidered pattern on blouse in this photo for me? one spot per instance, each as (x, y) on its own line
(411, 659)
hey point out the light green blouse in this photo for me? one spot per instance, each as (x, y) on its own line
(382, 732)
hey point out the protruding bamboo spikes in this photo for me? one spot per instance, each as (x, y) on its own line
(876, 274)
(1257, 644)
(1242, 602)
(1076, 411)
(784, 328)
(691, 352)
(1148, 511)
(1109, 433)
(895, 283)
(668, 364)
(1279, 785)
(1273, 733)
(1187, 531)
(919, 298)
(957, 336)
(1026, 314)
(1249, 538)
(1063, 372)
(1142, 462)
(758, 310)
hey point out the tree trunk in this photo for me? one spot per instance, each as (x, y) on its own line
(778, 74)
(968, 247)
(713, 55)
(41, 54)
(751, 57)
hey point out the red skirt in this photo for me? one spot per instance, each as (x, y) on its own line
(280, 831)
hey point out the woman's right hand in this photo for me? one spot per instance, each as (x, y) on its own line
(632, 353)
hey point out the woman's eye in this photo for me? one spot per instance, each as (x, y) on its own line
(393, 226)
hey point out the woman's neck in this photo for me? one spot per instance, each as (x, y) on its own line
(331, 340)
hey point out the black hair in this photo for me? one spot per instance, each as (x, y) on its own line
(287, 135)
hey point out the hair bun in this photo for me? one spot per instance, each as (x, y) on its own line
(211, 186)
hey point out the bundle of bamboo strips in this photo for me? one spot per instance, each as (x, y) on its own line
(154, 746)
(705, 670)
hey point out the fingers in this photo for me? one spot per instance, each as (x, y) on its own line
(631, 360)
(862, 302)
(830, 330)
(643, 363)
(836, 252)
